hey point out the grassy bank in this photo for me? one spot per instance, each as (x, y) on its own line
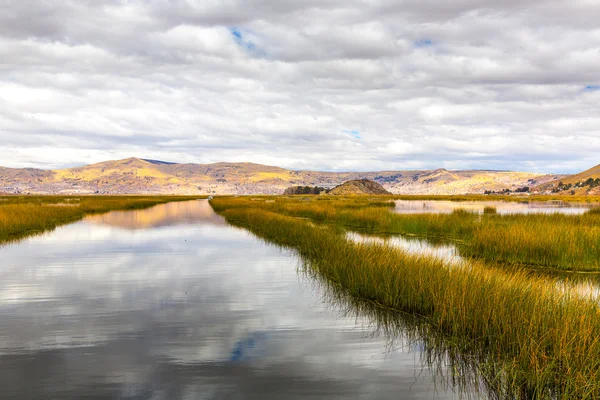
(22, 216)
(549, 241)
(525, 336)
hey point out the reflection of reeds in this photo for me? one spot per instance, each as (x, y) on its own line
(519, 333)
(457, 365)
(490, 210)
(29, 215)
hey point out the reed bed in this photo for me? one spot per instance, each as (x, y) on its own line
(23, 216)
(524, 336)
(549, 241)
(490, 210)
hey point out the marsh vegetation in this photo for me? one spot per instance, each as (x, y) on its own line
(499, 315)
(523, 334)
(22, 216)
(551, 241)
(198, 307)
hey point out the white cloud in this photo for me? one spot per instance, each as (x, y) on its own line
(427, 84)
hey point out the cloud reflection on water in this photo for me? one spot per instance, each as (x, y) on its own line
(159, 309)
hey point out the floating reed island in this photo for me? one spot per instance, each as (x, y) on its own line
(525, 336)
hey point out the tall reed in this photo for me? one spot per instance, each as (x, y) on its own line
(557, 241)
(529, 339)
(22, 216)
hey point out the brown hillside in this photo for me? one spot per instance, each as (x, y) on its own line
(577, 184)
(593, 173)
(142, 176)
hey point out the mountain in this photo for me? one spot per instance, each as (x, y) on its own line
(593, 173)
(583, 183)
(143, 176)
(358, 186)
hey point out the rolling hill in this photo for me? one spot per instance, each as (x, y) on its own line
(593, 173)
(583, 183)
(143, 176)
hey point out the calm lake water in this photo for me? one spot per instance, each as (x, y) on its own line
(172, 303)
(502, 207)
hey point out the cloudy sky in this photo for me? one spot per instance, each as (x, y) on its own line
(303, 84)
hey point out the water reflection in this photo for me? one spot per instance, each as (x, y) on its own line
(412, 246)
(176, 213)
(502, 207)
(180, 305)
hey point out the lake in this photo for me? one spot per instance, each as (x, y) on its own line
(502, 207)
(172, 303)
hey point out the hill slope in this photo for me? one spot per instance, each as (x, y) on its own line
(583, 183)
(358, 186)
(134, 175)
(593, 173)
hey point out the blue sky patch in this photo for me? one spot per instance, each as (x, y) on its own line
(238, 36)
(355, 134)
(423, 43)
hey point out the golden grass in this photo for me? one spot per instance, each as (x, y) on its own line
(549, 241)
(526, 337)
(22, 216)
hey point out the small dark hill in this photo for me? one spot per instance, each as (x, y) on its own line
(359, 186)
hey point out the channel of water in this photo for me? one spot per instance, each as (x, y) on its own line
(173, 303)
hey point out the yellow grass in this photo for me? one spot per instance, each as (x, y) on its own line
(526, 337)
(22, 216)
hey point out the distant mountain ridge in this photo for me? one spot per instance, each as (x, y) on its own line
(145, 176)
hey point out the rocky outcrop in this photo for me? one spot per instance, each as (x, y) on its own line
(359, 186)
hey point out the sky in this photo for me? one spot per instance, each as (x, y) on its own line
(335, 85)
